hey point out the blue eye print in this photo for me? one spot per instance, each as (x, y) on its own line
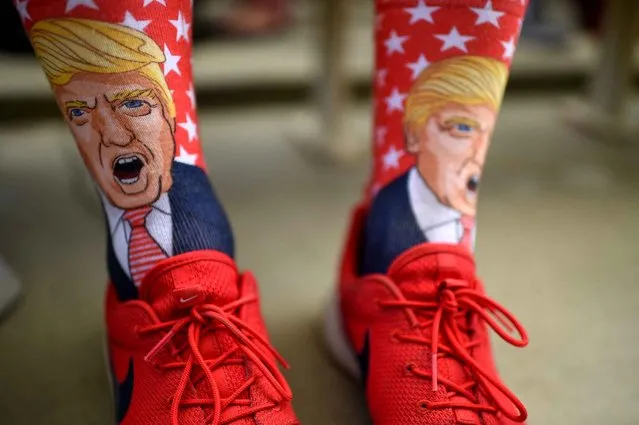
(464, 128)
(132, 104)
(77, 112)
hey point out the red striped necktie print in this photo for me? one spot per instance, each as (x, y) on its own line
(468, 224)
(144, 251)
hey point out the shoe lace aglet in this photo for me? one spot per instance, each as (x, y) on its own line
(434, 366)
(161, 344)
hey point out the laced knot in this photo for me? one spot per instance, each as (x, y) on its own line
(447, 324)
(183, 337)
(448, 299)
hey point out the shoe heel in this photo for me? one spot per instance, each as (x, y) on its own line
(336, 341)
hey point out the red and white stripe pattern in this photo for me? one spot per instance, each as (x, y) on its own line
(144, 251)
(468, 224)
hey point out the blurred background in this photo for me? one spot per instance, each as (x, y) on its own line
(284, 95)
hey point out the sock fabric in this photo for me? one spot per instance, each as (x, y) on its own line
(441, 69)
(121, 75)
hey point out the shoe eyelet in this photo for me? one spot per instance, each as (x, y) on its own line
(409, 368)
(395, 336)
(423, 405)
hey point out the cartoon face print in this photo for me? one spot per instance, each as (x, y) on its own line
(450, 150)
(111, 89)
(124, 134)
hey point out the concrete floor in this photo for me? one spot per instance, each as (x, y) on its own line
(557, 227)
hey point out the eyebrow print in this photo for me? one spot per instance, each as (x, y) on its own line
(76, 104)
(130, 94)
(463, 120)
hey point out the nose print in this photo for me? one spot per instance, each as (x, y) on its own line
(112, 130)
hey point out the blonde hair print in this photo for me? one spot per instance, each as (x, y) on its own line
(464, 80)
(68, 46)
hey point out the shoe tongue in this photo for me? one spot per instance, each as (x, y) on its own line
(178, 283)
(420, 270)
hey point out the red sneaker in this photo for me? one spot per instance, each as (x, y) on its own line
(418, 337)
(193, 350)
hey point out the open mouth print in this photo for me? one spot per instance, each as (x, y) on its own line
(472, 185)
(126, 169)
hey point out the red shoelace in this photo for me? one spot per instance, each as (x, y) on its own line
(206, 318)
(451, 318)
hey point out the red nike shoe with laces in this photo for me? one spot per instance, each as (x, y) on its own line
(418, 337)
(193, 350)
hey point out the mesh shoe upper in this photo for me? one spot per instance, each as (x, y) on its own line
(196, 348)
(423, 328)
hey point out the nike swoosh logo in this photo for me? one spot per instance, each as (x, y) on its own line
(122, 393)
(186, 300)
(364, 358)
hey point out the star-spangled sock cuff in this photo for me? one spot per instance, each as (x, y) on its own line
(410, 35)
(166, 22)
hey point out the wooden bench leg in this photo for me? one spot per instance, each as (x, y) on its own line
(10, 288)
(604, 115)
(332, 141)
(612, 83)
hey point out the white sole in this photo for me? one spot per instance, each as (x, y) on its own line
(336, 341)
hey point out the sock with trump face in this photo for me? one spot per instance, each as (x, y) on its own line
(121, 74)
(441, 69)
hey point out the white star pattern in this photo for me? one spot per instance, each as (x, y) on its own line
(395, 43)
(454, 40)
(131, 22)
(395, 102)
(186, 158)
(509, 48)
(181, 26)
(22, 10)
(418, 66)
(381, 77)
(171, 62)
(488, 15)
(392, 157)
(72, 4)
(191, 94)
(410, 37)
(380, 135)
(190, 127)
(421, 13)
